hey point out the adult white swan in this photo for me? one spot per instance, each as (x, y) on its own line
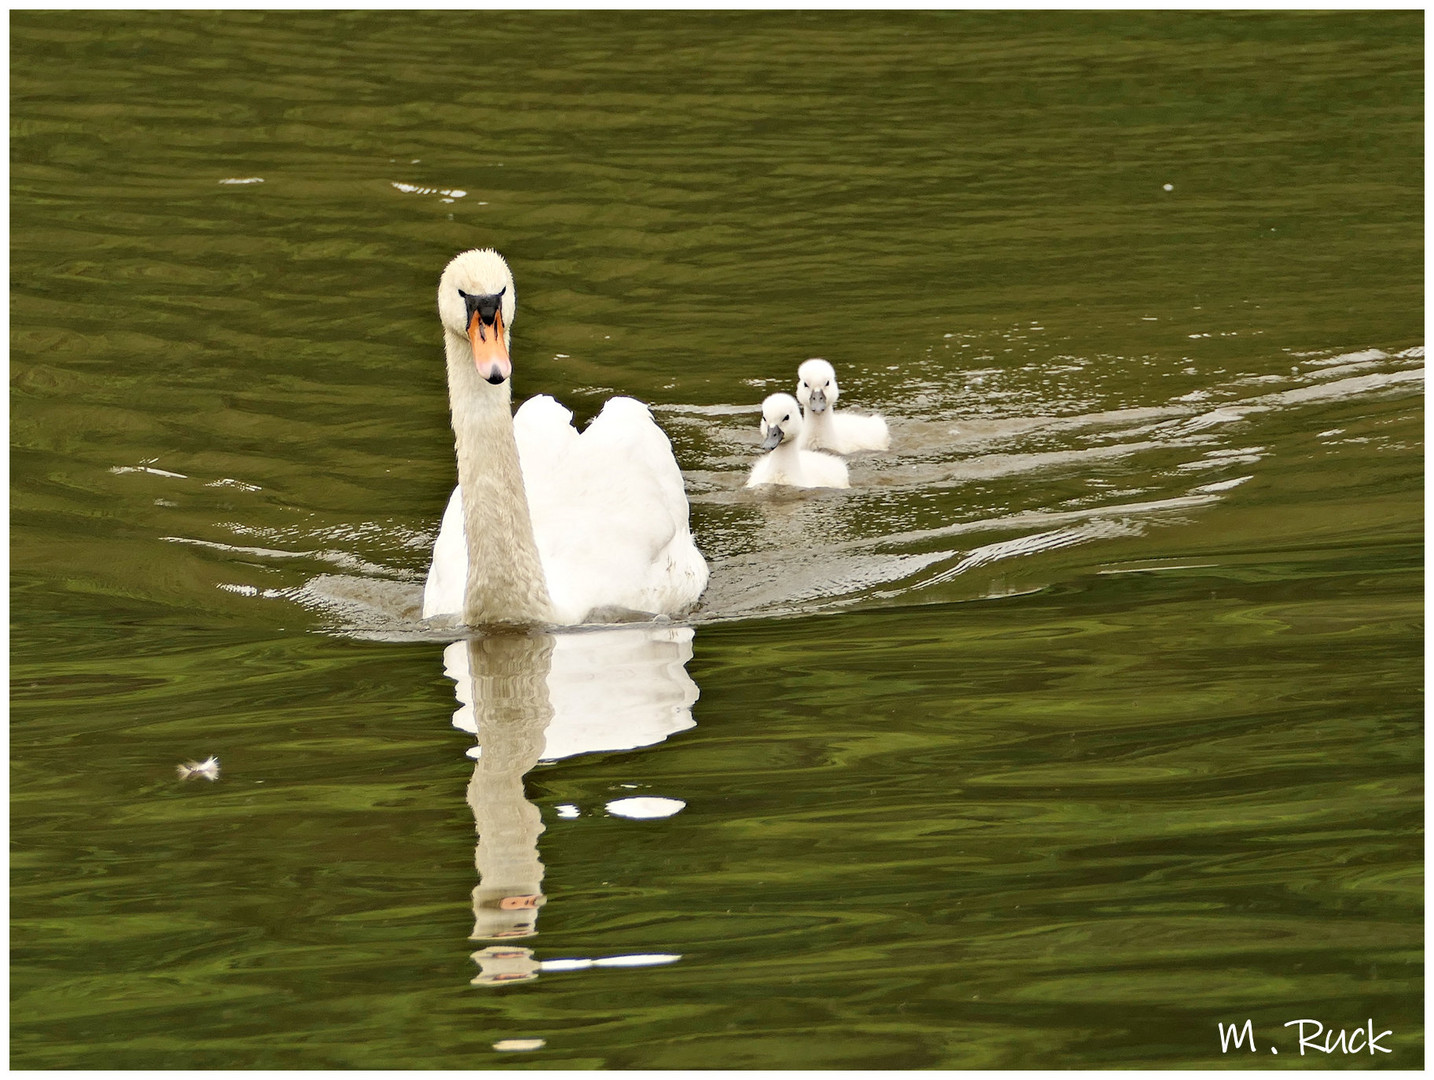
(547, 526)
(787, 463)
(823, 428)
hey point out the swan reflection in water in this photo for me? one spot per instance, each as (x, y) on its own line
(531, 698)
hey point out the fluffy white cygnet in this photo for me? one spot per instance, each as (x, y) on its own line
(823, 428)
(788, 463)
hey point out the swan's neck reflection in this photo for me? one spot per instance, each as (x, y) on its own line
(508, 677)
(540, 697)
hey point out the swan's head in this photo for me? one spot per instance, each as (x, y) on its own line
(476, 303)
(781, 420)
(816, 385)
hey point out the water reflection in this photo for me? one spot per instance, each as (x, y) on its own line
(541, 697)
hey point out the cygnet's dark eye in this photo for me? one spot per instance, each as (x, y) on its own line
(804, 384)
(786, 418)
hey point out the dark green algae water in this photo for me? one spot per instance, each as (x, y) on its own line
(1088, 720)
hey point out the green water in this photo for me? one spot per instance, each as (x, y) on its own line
(1089, 718)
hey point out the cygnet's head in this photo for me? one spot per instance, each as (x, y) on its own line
(476, 304)
(816, 385)
(781, 420)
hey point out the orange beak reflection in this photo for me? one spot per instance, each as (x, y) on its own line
(490, 354)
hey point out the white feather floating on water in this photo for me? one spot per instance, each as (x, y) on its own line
(208, 768)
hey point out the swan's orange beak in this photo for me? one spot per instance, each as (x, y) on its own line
(490, 354)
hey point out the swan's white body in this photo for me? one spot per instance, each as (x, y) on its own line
(787, 463)
(546, 525)
(823, 428)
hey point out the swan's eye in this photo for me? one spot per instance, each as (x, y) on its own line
(804, 385)
(786, 418)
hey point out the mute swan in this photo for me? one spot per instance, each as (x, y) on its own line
(546, 525)
(822, 428)
(787, 463)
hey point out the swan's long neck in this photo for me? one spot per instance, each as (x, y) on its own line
(505, 576)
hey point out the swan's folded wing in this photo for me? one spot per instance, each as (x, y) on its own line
(545, 435)
(443, 591)
(610, 514)
(625, 428)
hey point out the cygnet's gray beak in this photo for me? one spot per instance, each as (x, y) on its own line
(773, 438)
(818, 401)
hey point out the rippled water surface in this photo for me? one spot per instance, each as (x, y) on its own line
(1087, 720)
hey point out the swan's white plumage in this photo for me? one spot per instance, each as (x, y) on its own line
(788, 464)
(608, 511)
(823, 428)
(443, 591)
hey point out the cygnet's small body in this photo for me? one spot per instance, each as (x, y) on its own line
(823, 428)
(787, 463)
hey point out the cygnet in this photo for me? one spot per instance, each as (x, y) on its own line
(788, 463)
(823, 428)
